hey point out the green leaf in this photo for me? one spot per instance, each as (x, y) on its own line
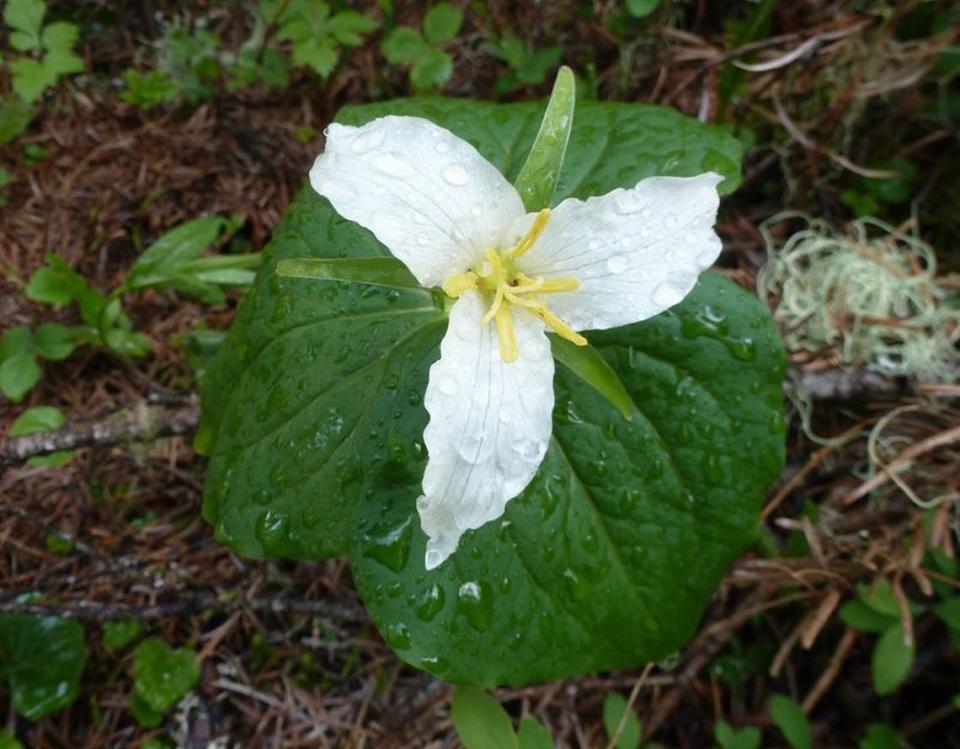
(403, 45)
(375, 271)
(42, 659)
(54, 341)
(15, 116)
(49, 287)
(880, 598)
(145, 715)
(880, 736)
(891, 661)
(949, 612)
(589, 365)
(642, 8)
(431, 70)
(24, 18)
(8, 740)
(37, 419)
(313, 418)
(532, 735)
(16, 340)
(615, 711)
(162, 675)
(175, 248)
(147, 90)
(442, 23)
(858, 615)
(318, 54)
(58, 39)
(349, 27)
(480, 720)
(30, 78)
(18, 374)
(539, 174)
(728, 738)
(792, 722)
(117, 635)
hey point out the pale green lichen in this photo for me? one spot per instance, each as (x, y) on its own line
(871, 295)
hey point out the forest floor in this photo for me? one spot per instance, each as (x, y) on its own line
(294, 661)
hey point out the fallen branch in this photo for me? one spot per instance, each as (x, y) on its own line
(141, 424)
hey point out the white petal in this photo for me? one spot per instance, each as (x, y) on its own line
(426, 194)
(490, 424)
(635, 252)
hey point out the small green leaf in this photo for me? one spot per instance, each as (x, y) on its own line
(376, 271)
(442, 23)
(480, 720)
(431, 70)
(642, 8)
(145, 715)
(24, 18)
(162, 675)
(949, 612)
(615, 712)
(15, 116)
(37, 419)
(18, 374)
(539, 174)
(42, 659)
(58, 39)
(589, 365)
(728, 738)
(403, 45)
(891, 661)
(16, 340)
(117, 635)
(880, 736)
(349, 27)
(54, 341)
(30, 78)
(879, 597)
(859, 616)
(532, 735)
(791, 721)
(57, 543)
(49, 287)
(8, 740)
(179, 245)
(319, 54)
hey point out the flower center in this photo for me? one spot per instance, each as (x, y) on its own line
(503, 285)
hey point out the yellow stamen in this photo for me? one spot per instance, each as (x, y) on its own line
(498, 276)
(508, 341)
(524, 245)
(460, 283)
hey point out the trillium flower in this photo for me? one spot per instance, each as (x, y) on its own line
(454, 220)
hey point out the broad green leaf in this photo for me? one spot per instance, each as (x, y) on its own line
(162, 675)
(313, 418)
(539, 174)
(37, 419)
(792, 722)
(18, 374)
(442, 22)
(41, 658)
(376, 271)
(480, 720)
(532, 735)
(24, 18)
(858, 615)
(15, 116)
(891, 661)
(54, 341)
(729, 738)
(117, 635)
(615, 711)
(589, 365)
(880, 736)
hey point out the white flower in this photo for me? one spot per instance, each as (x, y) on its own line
(456, 222)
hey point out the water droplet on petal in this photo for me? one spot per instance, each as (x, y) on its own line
(441, 145)
(391, 164)
(455, 175)
(367, 140)
(617, 263)
(670, 220)
(447, 384)
(667, 294)
(422, 239)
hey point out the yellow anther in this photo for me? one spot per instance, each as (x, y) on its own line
(508, 341)
(497, 275)
(524, 245)
(458, 284)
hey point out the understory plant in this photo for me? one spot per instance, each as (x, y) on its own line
(500, 310)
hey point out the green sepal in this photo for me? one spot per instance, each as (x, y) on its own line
(375, 271)
(588, 364)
